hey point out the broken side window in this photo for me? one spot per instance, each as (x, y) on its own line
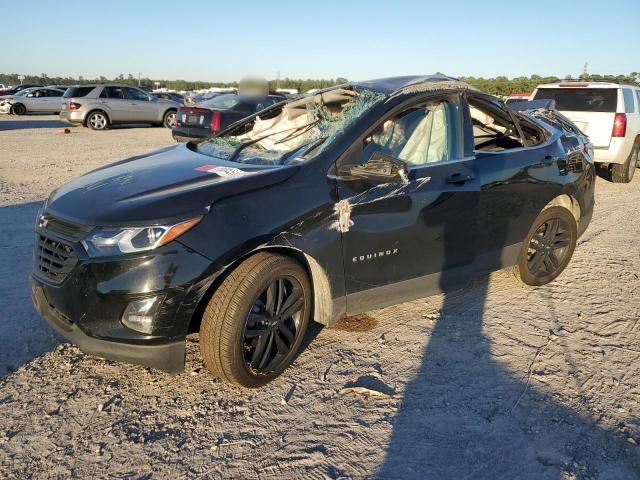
(493, 127)
(419, 135)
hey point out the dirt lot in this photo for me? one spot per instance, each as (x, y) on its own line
(492, 381)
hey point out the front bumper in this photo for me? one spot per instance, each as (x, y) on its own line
(168, 356)
(87, 305)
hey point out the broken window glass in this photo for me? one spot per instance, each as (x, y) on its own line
(304, 128)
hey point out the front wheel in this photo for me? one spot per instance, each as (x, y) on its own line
(256, 320)
(19, 109)
(548, 247)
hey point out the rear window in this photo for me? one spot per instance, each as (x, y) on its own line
(581, 99)
(628, 100)
(222, 102)
(75, 92)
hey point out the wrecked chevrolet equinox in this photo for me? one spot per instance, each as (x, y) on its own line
(327, 205)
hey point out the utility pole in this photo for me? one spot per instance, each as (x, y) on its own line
(278, 82)
(585, 75)
(138, 78)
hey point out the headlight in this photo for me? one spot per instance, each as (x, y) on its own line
(105, 242)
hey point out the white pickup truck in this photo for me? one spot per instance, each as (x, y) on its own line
(609, 114)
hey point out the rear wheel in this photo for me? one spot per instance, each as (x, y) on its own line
(548, 247)
(170, 119)
(19, 109)
(97, 120)
(255, 321)
(623, 173)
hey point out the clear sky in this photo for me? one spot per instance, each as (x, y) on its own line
(223, 41)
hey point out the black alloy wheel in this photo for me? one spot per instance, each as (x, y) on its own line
(548, 248)
(273, 325)
(256, 320)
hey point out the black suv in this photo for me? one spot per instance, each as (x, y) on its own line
(338, 202)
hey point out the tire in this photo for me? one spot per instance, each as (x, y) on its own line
(240, 309)
(169, 120)
(623, 173)
(545, 253)
(19, 109)
(97, 120)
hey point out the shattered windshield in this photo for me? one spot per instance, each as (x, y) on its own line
(303, 128)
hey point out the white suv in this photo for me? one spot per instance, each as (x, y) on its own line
(609, 114)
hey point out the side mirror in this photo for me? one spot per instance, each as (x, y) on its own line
(381, 168)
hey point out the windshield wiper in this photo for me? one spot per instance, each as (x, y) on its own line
(307, 148)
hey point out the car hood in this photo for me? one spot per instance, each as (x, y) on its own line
(165, 185)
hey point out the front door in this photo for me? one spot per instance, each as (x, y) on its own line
(409, 237)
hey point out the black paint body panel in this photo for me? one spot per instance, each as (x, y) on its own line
(439, 233)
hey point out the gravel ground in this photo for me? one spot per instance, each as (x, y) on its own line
(492, 381)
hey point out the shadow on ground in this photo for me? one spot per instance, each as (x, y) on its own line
(24, 122)
(463, 407)
(23, 335)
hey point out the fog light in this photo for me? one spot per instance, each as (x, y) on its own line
(140, 315)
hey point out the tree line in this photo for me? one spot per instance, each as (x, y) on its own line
(506, 86)
(500, 85)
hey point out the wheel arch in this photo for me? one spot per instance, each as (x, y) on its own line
(567, 201)
(322, 300)
(170, 109)
(17, 104)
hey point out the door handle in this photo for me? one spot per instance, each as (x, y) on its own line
(459, 179)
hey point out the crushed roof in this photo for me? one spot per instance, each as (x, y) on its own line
(395, 84)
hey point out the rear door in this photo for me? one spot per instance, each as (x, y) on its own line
(407, 239)
(139, 107)
(114, 101)
(53, 100)
(591, 109)
(516, 181)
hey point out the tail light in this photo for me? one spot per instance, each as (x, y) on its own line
(216, 118)
(619, 125)
(74, 106)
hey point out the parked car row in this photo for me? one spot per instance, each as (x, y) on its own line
(607, 112)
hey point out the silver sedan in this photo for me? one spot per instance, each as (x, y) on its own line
(36, 99)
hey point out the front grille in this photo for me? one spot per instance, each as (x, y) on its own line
(62, 228)
(54, 259)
